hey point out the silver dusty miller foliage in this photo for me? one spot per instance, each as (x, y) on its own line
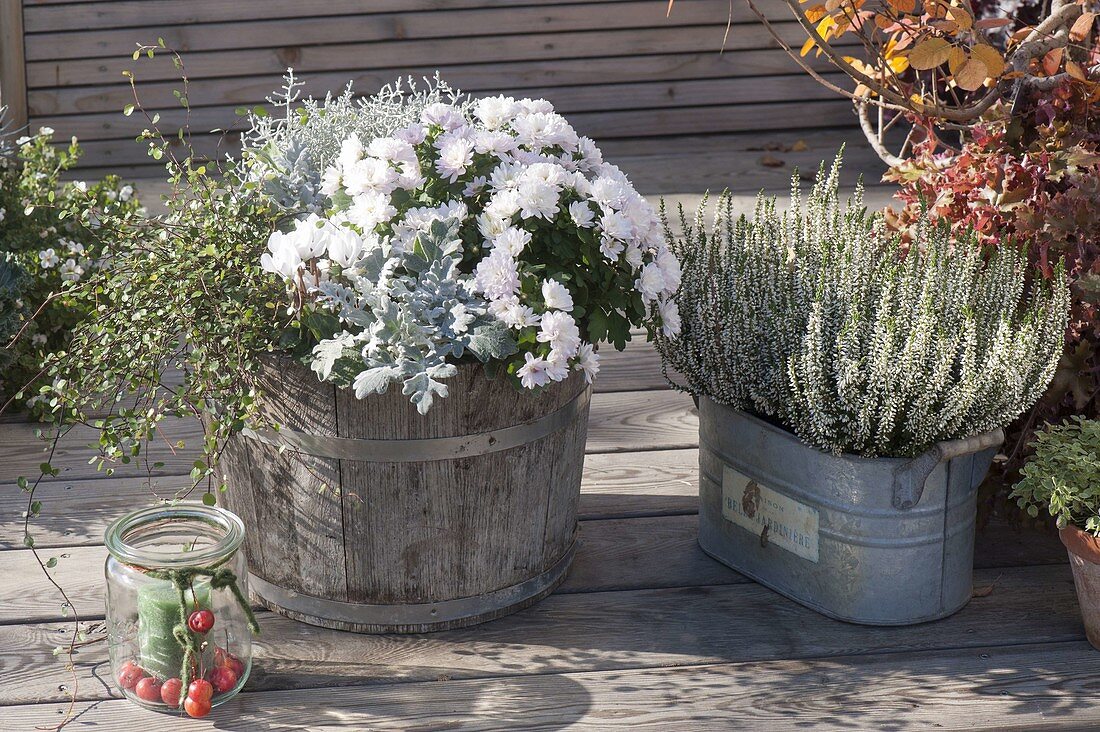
(812, 319)
(417, 315)
(287, 152)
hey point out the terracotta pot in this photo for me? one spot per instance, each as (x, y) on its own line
(1084, 557)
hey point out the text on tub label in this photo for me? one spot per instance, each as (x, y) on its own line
(790, 525)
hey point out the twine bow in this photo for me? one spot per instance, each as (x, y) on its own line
(220, 578)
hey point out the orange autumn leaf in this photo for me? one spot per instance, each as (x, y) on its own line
(992, 23)
(903, 6)
(971, 75)
(1081, 27)
(929, 53)
(991, 57)
(807, 46)
(816, 13)
(1052, 62)
(956, 59)
(1074, 69)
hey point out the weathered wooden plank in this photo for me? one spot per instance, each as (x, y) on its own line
(111, 124)
(374, 64)
(616, 554)
(306, 29)
(613, 554)
(593, 631)
(615, 485)
(598, 125)
(49, 15)
(13, 71)
(994, 688)
(620, 422)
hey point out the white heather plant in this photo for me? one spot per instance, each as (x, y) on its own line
(490, 229)
(817, 320)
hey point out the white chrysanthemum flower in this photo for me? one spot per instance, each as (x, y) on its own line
(556, 295)
(537, 199)
(494, 142)
(512, 240)
(513, 313)
(670, 318)
(582, 214)
(506, 176)
(370, 209)
(557, 366)
(591, 157)
(351, 152)
(504, 204)
(413, 134)
(616, 225)
(634, 256)
(495, 112)
(611, 248)
(651, 282)
(535, 106)
(48, 258)
(496, 275)
(492, 226)
(550, 173)
(45, 131)
(125, 193)
(281, 257)
(669, 266)
(560, 331)
(588, 361)
(370, 175)
(475, 186)
(331, 181)
(608, 192)
(455, 155)
(443, 115)
(392, 150)
(532, 373)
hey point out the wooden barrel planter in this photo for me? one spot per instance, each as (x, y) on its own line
(433, 521)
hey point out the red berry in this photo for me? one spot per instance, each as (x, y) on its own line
(220, 656)
(200, 690)
(129, 675)
(196, 708)
(223, 679)
(170, 692)
(235, 665)
(201, 621)
(148, 689)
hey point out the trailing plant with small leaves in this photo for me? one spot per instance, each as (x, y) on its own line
(811, 318)
(1062, 477)
(48, 233)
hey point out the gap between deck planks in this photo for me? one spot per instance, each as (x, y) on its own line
(965, 689)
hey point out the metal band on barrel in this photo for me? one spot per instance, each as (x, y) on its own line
(417, 614)
(434, 448)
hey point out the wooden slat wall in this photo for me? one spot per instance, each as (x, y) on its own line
(618, 68)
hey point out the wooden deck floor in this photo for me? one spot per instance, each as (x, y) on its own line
(646, 633)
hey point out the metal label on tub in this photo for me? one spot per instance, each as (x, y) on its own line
(775, 518)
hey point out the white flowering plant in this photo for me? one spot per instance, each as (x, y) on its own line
(818, 320)
(48, 243)
(488, 230)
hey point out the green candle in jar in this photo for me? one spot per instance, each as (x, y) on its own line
(158, 605)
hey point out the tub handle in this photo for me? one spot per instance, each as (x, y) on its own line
(910, 476)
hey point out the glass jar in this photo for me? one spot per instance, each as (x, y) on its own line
(176, 590)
